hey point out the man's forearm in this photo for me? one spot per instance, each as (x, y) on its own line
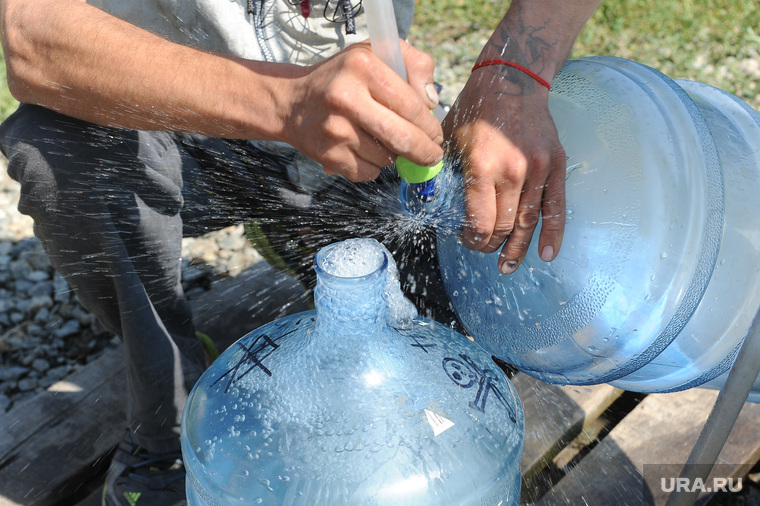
(351, 113)
(539, 34)
(72, 57)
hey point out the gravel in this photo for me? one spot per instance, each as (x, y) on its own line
(45, 334)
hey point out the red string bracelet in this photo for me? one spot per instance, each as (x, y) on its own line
(541, 80)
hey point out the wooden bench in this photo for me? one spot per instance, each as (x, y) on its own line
(57, 443)
(55, 447)
(583, 445)
(604, 463)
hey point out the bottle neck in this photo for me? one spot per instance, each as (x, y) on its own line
(351, 280)
(356, 302)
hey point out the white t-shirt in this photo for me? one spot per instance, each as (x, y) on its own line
(277, 32)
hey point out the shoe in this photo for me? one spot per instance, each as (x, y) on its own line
(139, 478)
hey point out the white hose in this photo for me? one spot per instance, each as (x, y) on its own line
(383, 34)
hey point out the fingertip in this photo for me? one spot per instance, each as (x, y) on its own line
(550, 243)
(508, 266)
(438, 140)
(432, 95)
(547, 253)
(513, 253)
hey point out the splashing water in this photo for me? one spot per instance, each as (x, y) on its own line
(297, 229)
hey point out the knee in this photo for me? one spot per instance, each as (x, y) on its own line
(39, 190)
(69, 167)
(37, 144)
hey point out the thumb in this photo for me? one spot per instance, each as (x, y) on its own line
(419, 70)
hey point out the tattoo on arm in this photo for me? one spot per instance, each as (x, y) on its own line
(531, 51)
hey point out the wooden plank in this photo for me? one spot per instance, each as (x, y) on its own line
(554, 416)
(661, 430)
(51, 442)
(235, 306)
(55, 441)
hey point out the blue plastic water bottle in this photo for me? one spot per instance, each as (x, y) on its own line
(657, 282)
(358, 402)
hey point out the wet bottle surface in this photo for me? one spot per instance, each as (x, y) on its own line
(357, 402)
(656, 284)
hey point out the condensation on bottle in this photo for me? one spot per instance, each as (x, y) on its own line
(655, 286)
(360, 401)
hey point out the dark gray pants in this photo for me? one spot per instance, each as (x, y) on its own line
(111, 206)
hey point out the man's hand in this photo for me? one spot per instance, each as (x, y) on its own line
(514, 166)
(353, 114)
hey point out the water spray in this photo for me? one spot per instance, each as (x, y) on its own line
(419, 183)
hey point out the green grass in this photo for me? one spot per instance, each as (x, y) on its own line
(713, 41)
